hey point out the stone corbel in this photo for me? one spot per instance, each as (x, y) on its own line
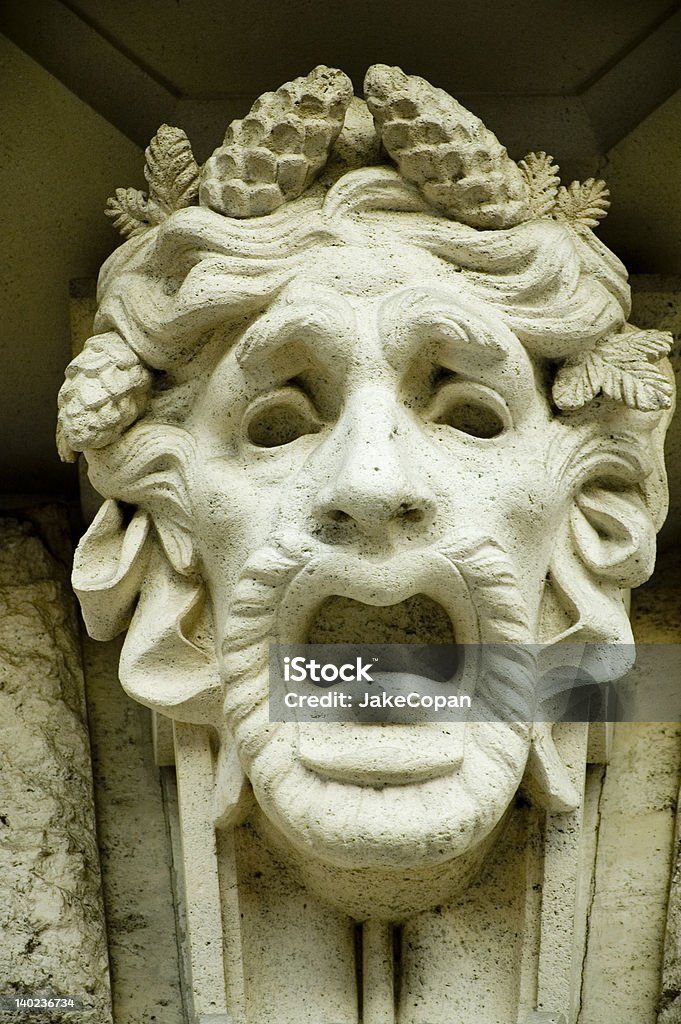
(363, 377)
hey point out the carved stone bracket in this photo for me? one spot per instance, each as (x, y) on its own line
(359, 378)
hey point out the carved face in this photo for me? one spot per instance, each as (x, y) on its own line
(371, 459)
(461, 449)
(379, 416)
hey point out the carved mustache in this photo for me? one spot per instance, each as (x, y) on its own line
(281, 585)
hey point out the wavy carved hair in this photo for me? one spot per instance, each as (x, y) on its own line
(558, 290)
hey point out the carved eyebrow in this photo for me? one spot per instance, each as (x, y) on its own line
(415, 317)
(325, 326)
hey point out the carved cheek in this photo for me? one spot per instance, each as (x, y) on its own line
(501, 481)
(231, 518)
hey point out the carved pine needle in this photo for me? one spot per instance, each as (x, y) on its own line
(171, 170)
(621, 368)
(583, 204)
(131, 212)
(543, 181)
(173, 176)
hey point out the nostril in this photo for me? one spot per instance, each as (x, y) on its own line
(337, 515)
(371, 513)
(410, 513)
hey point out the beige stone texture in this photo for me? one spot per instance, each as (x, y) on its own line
(335, 395)
(656, 302)
(670, 998)
(52, 929)
(630, 970)
(135, 850)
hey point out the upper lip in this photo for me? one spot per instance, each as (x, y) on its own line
(416, 571)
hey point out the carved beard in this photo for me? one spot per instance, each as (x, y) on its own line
(425, 824)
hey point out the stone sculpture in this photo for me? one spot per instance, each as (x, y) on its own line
(361, 377)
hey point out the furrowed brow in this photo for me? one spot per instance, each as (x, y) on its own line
(325, 327)
(418, 318)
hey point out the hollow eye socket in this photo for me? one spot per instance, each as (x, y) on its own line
(280, 418)
(471, 409)
(473, 418)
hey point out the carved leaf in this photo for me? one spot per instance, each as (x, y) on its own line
(584, 203)
(622, 368)
(171, 170)
(173, 176)
(637, 344)
(131, 212)
(543, 181)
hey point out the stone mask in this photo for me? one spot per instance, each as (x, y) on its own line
(345, 393)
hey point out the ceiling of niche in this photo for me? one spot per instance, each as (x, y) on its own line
(569, 75)
(84, 85)
(547, 48)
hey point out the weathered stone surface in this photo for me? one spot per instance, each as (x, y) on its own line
(627, 955)
(656, 302)
(670, 998)
(657, 613)
(406, 402)
(133, 803)
(135, 851)
(51, 915)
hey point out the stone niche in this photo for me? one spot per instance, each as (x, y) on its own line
(362, 378)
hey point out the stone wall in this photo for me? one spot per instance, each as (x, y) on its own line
(51, 914)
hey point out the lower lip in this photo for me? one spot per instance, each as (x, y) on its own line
(374, 755)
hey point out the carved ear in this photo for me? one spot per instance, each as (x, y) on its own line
(168, 660)
(614, 534)
(605, 546)
(108, 569)
(151, 468)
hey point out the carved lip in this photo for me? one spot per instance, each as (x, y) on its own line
(380, 584)
(371, 754)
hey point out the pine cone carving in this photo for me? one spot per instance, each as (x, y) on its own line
(105, 390)
(278, 149)
(443, 149)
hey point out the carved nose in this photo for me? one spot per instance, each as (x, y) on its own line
(377, 485)
(372, 513)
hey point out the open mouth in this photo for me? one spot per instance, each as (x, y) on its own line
(418, 631)
(416, 603)
(445, 599)
(420, 639)
(418, 598)
(418, 619)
